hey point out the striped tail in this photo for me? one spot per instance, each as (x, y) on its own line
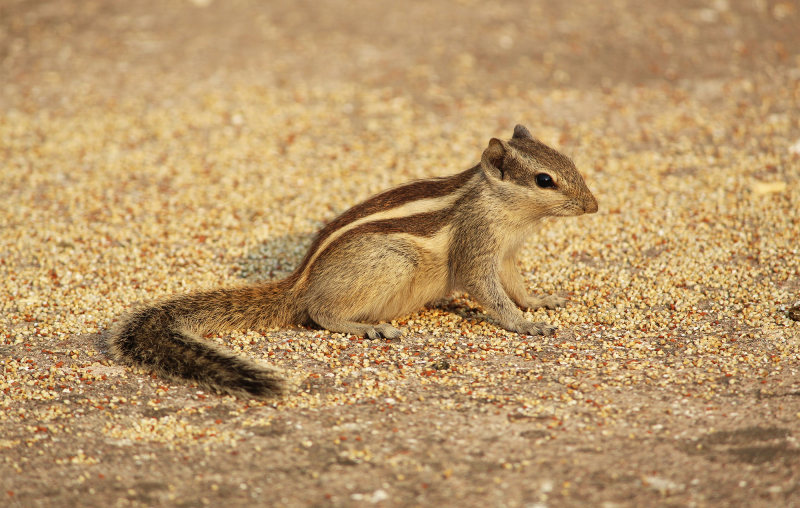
(167, 337)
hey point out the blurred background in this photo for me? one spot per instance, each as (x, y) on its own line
(423, 48)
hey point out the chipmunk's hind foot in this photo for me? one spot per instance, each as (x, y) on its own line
(384, 331)
(380, 331)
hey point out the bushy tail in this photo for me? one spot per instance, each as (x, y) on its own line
(167, 337)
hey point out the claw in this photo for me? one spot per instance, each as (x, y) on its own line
(548, 302)
(531, 328)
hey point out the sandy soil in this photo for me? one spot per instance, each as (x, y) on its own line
(148, 148)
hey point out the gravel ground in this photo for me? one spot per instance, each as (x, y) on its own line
(149, 148)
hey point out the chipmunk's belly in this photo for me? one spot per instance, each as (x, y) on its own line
(429, 280)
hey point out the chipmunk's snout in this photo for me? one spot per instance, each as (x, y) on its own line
(590, 204)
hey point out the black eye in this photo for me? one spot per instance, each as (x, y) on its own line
(544, 181)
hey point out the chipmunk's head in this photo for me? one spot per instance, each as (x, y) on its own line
(526, 173)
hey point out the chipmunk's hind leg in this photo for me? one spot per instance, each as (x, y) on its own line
(365, 280)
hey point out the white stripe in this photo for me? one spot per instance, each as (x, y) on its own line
(437, 244)
(411, 208)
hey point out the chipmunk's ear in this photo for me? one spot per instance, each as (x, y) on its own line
(520, 132)
(493, 157)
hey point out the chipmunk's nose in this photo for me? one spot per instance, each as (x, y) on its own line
(590, 205)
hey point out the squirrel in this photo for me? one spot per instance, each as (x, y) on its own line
(381, 259)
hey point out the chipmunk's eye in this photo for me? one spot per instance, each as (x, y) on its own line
(544, 181)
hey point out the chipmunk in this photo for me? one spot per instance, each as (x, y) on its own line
(382, 259)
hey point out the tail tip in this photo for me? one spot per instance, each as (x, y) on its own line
(262, 384)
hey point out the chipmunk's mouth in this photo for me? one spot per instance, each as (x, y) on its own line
(571, 209)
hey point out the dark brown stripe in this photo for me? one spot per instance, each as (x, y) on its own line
(422, 224)
(421, 189)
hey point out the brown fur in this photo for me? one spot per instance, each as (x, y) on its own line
(381, 259)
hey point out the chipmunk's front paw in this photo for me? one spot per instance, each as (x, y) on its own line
(548, 302)
(531, 328)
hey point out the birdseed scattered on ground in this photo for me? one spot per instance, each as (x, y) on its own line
(150, 150)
